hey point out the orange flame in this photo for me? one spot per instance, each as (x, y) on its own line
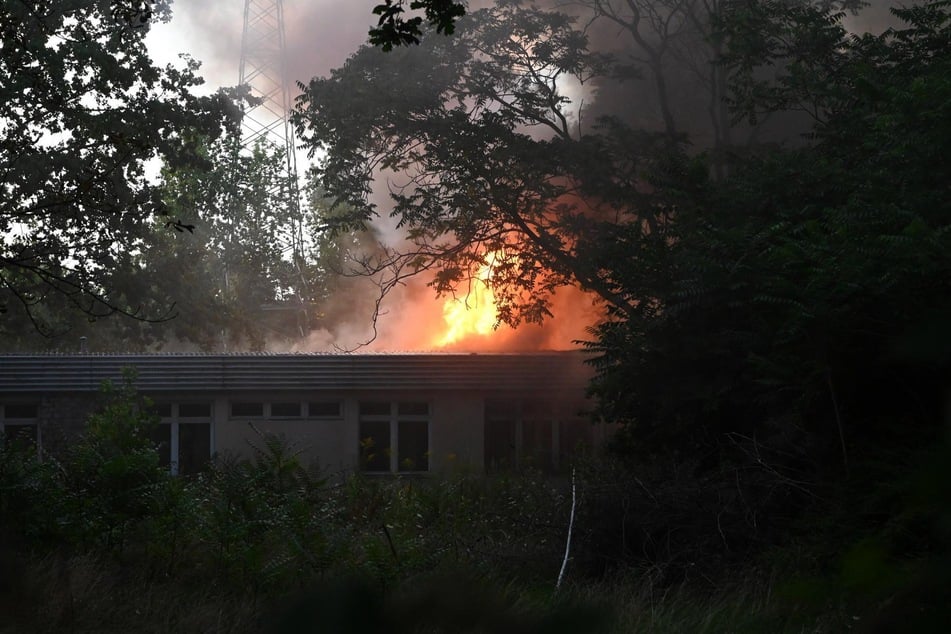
(475, 314)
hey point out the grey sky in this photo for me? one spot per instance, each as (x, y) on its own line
(321, 34)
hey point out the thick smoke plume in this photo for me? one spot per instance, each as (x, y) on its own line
(320, 35)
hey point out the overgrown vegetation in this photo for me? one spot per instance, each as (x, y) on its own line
(784, 378)
(103, 539)
(245, 535)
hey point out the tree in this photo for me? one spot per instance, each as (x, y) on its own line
(349, 263)
(801, 295)
(484, 155)
(675, 48)
(243, 284)
(393, 29)
(793, 354)
(82, 113)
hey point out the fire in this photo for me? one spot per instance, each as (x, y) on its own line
(475, 314)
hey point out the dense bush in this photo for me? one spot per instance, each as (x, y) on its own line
(257, 529)
(267, 544)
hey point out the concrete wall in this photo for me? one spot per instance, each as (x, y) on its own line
(455, 429)
(331, 442)
(63, 418)
(456, 437)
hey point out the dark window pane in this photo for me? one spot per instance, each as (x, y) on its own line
(413, 443)
(194, 447)
(375, 445)
(501, 409)
(374, 408)
(575, 436)
(500, 444)
(323, 408)
(536, 443)
(247, 409)
(20, 410)
(413, 409)
(22, 435)
(536, 409)
(194, 410)
(163, 410)
(285, 409)
(162, 437)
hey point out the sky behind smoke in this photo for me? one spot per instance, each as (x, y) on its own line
(320, 35)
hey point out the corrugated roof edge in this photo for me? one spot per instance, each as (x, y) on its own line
(387, 353)
(548, 371)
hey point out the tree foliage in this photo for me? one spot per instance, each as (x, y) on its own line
(799, 305)
(227, 282)
(236, 270)
(775, 310)
(394, 29)
(259, 531)
(82, 112)
(484, 154)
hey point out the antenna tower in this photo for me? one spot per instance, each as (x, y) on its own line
(263, 70)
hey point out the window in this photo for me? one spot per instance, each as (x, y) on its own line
(324, 409)
(163, 410)
(502, 435)
(19, 425)
(519, 433)
(375, 408)
(413, 443)
(20, 434)
(375, 448)
(183, 436)
(413, 409)
(575, 436)
(285, 410)
(536, 450)
(194, 410)
(240, 409)
(394, 436)
(194, 447)
(21, 411)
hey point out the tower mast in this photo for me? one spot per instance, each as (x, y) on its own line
(266, 118)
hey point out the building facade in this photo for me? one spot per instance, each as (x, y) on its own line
(381, 413)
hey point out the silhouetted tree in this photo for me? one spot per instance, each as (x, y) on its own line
(83, 111)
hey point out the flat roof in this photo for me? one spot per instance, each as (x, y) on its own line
(497, 372)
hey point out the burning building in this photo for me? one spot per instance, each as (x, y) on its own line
(384, 413)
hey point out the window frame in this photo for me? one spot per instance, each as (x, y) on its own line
(304, 411)
(233, 416)
(341, 410)
(22, 421)
(525, 415)
(175, 420)
(270, 415)
(393, 419)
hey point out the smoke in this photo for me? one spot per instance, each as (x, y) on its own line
(874, 18)
(411, 320)
(320, 36)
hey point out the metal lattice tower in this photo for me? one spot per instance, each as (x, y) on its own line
(263, 70)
